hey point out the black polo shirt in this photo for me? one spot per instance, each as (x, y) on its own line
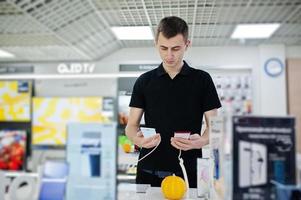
(171, 105)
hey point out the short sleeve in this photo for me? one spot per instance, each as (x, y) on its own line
(137, 98)
(211, 100)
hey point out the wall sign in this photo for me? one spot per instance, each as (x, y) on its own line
(273, 67)
(137, 67)
(75, 68)
(18, 69)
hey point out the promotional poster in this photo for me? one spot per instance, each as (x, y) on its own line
(264, 152)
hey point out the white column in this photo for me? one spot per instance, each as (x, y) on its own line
(273, 100)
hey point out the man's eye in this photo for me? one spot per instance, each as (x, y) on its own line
(164, 49)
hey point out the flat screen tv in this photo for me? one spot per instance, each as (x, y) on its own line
(51, 116)
(12, 149)
(15, 101)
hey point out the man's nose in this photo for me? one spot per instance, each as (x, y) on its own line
(169, 53)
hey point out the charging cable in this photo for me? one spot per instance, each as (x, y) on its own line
(149, 152)
(181, 162)
(133, 166)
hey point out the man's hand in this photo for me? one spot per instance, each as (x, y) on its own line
(147, 142)
(195, 141)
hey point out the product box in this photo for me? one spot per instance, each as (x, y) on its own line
(91, 154)
(263, 152)
(216, 157)
(203, 182)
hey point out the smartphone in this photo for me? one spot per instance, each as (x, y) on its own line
(148, 132)
(182, 134)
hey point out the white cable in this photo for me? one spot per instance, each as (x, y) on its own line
(149, 152)
(181, 162)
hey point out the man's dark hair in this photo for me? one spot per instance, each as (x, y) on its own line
(172, 26)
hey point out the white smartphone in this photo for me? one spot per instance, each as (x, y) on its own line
(182, 134)
(148, 132)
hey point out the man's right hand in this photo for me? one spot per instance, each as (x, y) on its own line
(147, 143)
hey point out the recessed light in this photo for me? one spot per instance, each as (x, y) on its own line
(133, 32)
(249, 31)
(5, 54)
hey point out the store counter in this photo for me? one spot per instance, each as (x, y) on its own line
(125, 191)
(142, 192)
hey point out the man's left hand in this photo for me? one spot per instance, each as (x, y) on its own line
(195, 141)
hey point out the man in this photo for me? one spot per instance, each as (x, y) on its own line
(173, 97)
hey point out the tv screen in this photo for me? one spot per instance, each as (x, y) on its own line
(15, 100)
(51, 116)
(12, 149)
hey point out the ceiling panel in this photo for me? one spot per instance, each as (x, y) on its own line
(41, 30)
(45, 53)
(27, 40)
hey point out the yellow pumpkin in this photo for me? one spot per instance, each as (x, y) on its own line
(173, 187)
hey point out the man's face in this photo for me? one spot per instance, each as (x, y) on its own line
(172, 50)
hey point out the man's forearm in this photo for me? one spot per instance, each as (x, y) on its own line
(205, 136)
(131, 133)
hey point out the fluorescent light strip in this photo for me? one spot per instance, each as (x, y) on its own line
(66, 76)
(133, 32)
(254, 31)
(5, 54)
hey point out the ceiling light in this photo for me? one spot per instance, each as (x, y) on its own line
(133, 32)
(245, 31)
(5, 54)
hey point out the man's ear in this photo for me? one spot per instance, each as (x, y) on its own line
(188, 44)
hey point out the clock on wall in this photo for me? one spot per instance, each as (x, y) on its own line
(273, 67)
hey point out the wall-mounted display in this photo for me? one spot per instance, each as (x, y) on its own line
(12, 149)
(235, 93)
(15, 100)
(52, 114)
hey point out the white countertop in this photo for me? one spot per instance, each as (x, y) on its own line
(129, 192)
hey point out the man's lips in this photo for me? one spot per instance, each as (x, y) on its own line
(169, 62)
